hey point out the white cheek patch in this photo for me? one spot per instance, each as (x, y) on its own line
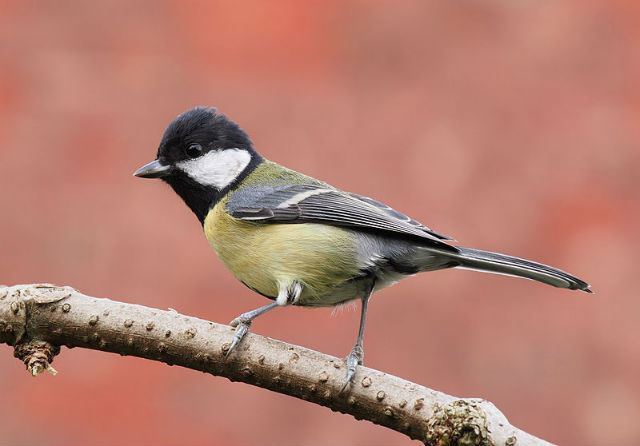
(217, 168)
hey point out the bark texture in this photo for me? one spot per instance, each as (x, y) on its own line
(37, 319)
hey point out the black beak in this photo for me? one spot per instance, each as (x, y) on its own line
(153, 170)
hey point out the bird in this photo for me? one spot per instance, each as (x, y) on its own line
(300, 241)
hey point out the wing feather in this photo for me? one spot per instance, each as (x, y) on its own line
(320, 204)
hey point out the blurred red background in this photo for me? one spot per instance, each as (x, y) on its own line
(512, 126)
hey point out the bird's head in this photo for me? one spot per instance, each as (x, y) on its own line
(202, 155)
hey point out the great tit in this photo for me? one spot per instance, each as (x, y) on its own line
(297, 240)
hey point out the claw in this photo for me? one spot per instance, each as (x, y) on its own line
(237, 321)
(353, 360)
(242, 328)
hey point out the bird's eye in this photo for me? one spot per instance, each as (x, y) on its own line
(194, 150)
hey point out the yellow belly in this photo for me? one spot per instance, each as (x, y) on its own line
(268, 256)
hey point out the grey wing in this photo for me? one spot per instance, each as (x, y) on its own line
(319, 204)
(392, 212)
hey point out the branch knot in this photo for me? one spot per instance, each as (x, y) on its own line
(461, 422)
(36, 355)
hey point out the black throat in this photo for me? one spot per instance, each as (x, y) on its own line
(200, 198)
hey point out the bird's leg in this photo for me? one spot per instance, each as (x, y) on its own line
(243, 322)
(356, 355)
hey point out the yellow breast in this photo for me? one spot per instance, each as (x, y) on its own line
(265, 256)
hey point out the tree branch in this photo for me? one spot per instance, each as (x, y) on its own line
(37, 319)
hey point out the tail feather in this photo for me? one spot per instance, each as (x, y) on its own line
(493, 262)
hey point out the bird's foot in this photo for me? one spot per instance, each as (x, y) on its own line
(242, 328)
(354, 359)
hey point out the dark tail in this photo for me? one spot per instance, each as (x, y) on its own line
(493, 262)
